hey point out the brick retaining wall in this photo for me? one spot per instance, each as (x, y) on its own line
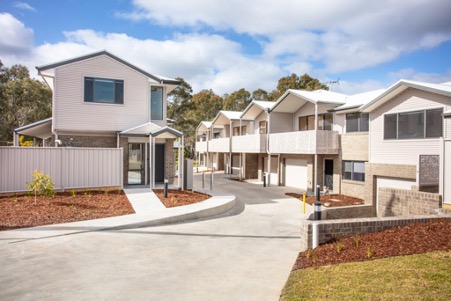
(346, 212)
(331, 229)
(401, 202)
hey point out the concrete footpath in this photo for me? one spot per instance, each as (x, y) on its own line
(149, 211)
(246, 253)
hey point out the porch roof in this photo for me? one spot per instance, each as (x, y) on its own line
(151, 129)
(255, 108)
(40, 129)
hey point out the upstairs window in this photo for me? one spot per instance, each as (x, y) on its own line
(307, 123)
(263, 127)
(236, 130)
(156, 103)
(414, 125)
(357, 122)
(104, 90)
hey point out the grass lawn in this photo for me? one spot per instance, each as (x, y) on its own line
(413, 277)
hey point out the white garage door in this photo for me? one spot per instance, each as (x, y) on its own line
(296, 173)
(236, 164)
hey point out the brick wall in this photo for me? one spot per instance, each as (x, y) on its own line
(332, 229)
(347, 212)
(89, 141)
(123, 142)
(170, 160)
(401, 202)
(373, 170)
(251, 166)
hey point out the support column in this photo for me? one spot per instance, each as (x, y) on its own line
(268, 178)
(151, 174)
(182, 166)
(16, 139)
(315, 173)
(179, 168)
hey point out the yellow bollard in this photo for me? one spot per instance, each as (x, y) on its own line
(303, 200)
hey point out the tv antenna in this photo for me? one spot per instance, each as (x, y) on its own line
(332, 82)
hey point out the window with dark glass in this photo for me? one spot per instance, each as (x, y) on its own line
(104, 90)
(307, 123)
(236, 131)
(414, 125)
(263, 127)
(357, 122)
(243, 130)
(354, 171)
(156, 103)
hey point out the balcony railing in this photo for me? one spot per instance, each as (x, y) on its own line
(304, 142)
(201, 146)
(249, 144)
(221, 145)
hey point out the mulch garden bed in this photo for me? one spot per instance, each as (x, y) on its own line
(333, 200)
(21, 211)
(404, 240)
(180, 198)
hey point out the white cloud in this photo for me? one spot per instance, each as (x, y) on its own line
(412, 74)
(15, 39)
(204, 61)
(24, 6)
(344, 35)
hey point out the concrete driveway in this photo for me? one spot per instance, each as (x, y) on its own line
(246, 254)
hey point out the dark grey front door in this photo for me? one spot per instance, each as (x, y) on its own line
(329, 173)
(159, 163)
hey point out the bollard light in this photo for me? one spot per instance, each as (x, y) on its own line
(166, 181)
(317, 206)
(264, 179)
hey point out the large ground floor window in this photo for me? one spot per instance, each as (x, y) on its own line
(354, 171)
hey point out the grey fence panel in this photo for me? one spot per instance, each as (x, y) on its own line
(68, 167)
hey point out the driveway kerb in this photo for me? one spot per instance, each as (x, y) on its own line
(153, 215)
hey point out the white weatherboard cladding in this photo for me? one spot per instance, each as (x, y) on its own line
(403, 151)
(72, 113)
(447, 173)
(448, 126)
(296, 173)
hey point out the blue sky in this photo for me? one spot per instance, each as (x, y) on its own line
(226, 45)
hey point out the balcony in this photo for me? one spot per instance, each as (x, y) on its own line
(249, 144)
(304, 142)
(201, 146)
(219, 145)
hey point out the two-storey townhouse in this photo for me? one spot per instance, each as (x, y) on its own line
(409, 146)
(100, 100)
(222, 129)
(304, 140)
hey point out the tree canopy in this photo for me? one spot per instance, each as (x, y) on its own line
(22, 100)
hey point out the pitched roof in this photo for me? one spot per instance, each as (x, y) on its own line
(292, 100)
(255, 108)
(224, 117)
(400, 86)
(160, 79)
(354, 102)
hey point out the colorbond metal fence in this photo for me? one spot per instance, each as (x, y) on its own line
(69, 168)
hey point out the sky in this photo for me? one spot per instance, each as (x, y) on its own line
(226, 45)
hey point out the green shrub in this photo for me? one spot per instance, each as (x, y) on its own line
(42, 185)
